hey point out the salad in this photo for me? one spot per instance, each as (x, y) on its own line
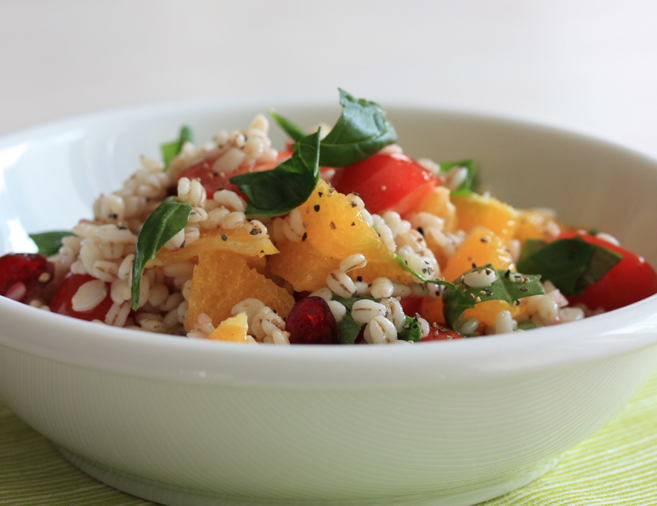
(339, 238)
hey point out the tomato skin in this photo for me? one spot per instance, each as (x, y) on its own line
(630, 280)
(62, 301)
(27, 270)
(386, 181)
(441, 333)
(412, 304)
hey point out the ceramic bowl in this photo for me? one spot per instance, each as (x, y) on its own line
(185, 422)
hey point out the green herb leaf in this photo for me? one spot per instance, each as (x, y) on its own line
(172, 149)
(509, 286)
(527, 325)
(295, 132)
(571, 264)
(278, 191)
(49, 243)
(361, 131)
(167, 220)
(466, 187)
(411, 330)
(349, 329)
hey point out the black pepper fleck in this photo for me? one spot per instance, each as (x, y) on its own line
(224, 237)
(316, 208)
(304, 236)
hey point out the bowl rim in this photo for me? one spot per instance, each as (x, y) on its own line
(619, 332)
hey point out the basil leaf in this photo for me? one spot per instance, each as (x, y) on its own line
(527, 325)
(509, 286)
(349, 329)
(295, 132)
(167, 220)
(172, 149)
(466, 187)
(361, 131)
(48, 243)
(411, 330)
(278, 191)
(571, 264)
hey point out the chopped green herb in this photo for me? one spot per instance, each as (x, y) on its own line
(411, 330)
(349, 329)
(172, 149)
(527, 325)
(507, 288)
(571, 264)
(167, 220)
(467, 186)
(361, 131)
(48, 243)
(276, 192)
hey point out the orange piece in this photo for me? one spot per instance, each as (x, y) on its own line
(334, 231)
(234, 329)
(239, 240)
(223, 278)
(537, 224)
(478, 210)
(437, 202)
(481, 247)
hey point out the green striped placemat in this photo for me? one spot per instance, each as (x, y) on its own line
(618, 466)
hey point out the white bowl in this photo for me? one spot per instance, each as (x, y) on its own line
(192, 422)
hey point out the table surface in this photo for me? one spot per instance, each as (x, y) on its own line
(585, 65)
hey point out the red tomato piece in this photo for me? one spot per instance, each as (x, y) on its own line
(213, 181)
(24, 275)
(412, 304)
(62, 301)
(386, 181)
(441, 333)
(630, 280)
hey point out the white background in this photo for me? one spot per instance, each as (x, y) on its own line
(588, 65)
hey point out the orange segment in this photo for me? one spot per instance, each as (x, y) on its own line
(334, 231)
(478, 210)
(234, 329)
(239, 240)
(537, 224)
(223, 278)
(482, 247)
(438, 203)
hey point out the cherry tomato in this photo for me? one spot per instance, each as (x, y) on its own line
(386, 181)
(213, 180)
(24, 275)
(441, 333)
(412, 304)
(62, 301)
(630, 280)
